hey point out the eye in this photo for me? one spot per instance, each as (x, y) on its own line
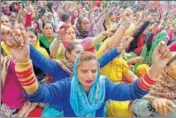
(93, 71)
(78, 51)
(31, 36)
(84, 71)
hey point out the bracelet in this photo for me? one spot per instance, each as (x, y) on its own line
(142, 86)
(150, 76)
(143, 80)
(24, 73)
(22, 69)
(24, 63)
(149, 80)
(29, 83)
(25, 78)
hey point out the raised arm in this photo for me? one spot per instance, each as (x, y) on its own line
(117, 37)
(139, 88)
(110, 55)
(33, 91)
(45, 64)
(55, 47)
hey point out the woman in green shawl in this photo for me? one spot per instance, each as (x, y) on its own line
(148, 49)
(47, 37)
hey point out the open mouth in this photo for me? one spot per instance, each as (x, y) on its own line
(89, 81)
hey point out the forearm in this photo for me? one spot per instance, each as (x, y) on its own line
(130, 30)
(97, 39)
(26, 76)
(55, 47)
(108, 57)
(43, 62)
(117, 37)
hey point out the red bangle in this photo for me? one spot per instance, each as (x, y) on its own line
(142, 79)
(149, 80)
(26, 81)
(142, 86)
(30, 83)
(24, 72)
(27, 74)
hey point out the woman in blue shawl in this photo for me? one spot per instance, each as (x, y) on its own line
(85, 94)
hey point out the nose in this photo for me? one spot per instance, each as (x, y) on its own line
(90, 76)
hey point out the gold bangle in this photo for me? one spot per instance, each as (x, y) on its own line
(24, 63)
(21, 69)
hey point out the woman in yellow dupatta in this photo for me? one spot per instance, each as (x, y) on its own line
(34, 41)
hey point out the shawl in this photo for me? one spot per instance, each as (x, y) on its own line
(148, 54)
(165, 88)
(45, 41)
(82, 104)
(4, 70)
(160, 37)
(172, 46)
(65, 65)
(82, 34)
(28, 106)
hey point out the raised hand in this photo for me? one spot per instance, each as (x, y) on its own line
(61, 32)
(140, 15)
(108, 33)
(125, 43)
(127, 15)
(17, 43)
(161, 57)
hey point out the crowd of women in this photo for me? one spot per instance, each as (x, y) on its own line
(86, 59)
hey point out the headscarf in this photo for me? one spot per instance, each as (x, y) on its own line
(160, 37)
(147, 52)
(172, 46)
(37, 46)
(82, 34)
(82, 104)
(45, 41)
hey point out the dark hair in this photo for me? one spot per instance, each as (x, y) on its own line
(38, 25)
(86, 56)
(149, 38)
(65, 17)
(32, 30)
(49, 5)
(2, 51)
(170, 41)
(41, 12)
(71, 47)
(47, 22)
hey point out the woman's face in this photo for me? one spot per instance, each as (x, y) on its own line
(85, 24)
(70, 35)
(5, 21)
(48, 30)
(75, 13)
(32, 37)
(171, 69)
(87, 73)
(74, 53)
(35, 25)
